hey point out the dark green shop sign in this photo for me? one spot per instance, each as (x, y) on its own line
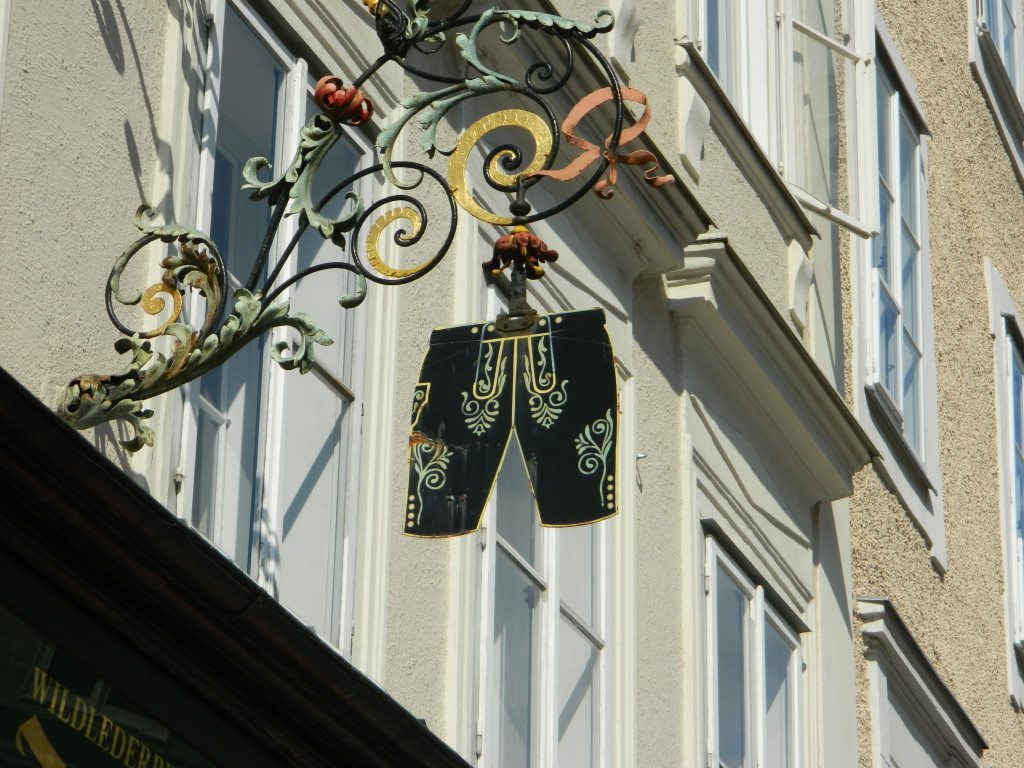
(82, 717)
(56, 713)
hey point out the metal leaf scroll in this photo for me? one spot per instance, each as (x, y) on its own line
(177, 351)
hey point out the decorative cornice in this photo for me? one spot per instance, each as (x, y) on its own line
(888, 641)
(716, 290)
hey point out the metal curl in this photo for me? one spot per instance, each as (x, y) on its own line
(401, 238)
(510, 158)
(612, 141)
(392, 26)
(197, 265)
(542, 70)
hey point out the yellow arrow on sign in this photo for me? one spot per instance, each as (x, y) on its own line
(31, 734)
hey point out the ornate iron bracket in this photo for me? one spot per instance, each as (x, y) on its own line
(256, 308)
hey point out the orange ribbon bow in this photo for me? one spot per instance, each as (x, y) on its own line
(591, 152)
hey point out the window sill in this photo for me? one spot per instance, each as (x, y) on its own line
(893, 422)
(1018, 651)
(997, 87)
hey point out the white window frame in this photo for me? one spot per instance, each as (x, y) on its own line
(1001, 85)
(915, 478)
(891, 289)
(1006, 329)
(896, 661)
(788, 28)
(752, 21)
(263, 566)
(551, 611)
(763, 95)
(760, 613)
(994, 28)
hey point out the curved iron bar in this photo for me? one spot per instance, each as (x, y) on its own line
(198, 266)
(375, 275)
(544, 71)
(268, 241)
(269, 299)
(425, 74)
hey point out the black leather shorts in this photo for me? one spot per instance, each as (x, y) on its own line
(554, 384)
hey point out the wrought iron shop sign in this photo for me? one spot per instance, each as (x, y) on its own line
(548, 377)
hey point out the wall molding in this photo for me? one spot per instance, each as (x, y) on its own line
(896, 658)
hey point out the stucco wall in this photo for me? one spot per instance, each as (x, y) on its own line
(660, 507)
(78, 138)
(739, 212)
(976, 208)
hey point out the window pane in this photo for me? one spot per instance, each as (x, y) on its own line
(722, 44)
(1018, 488)
(731, 671)
(203, 496)
(576, 570)
(515, 602)
(908, 174)
(515, 510)
(818, 14)
(779, 714)
(312, 476)
(1007, 31)
(911, 395)
(248, 126)
(991, 18)
(819, 77)
(888, 338)
(1017, 387)
(885, 93)
(578, 717)
(251, 81)
(318, 295)
(884, 236)
(909, 283)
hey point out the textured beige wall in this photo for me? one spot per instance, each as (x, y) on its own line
(739, 212)
(78, 138)
(417, 630)
(976, 208)
(660, 510)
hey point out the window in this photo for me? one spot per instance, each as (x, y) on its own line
(1009, 369)
(894, 361)
(1015, 409)
(821, 75)
(897, 261)
(1000, 20)
(995, 58)
(268, 452)
(754, 669)
(789, 74)
(736, 48)
(544, 650)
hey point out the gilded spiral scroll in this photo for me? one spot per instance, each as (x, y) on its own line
(377, 228)
(506, 118)
(153, 303)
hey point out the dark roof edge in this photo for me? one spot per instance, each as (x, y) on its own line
(193, 613)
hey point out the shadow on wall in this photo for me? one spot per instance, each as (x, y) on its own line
(116, 32)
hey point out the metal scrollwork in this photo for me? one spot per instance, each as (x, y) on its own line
(176, 351)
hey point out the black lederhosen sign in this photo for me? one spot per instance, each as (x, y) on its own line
(555, 385)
